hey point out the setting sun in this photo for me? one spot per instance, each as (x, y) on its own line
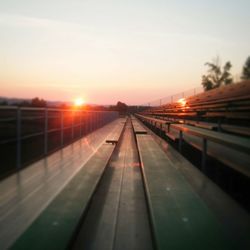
(78, 102)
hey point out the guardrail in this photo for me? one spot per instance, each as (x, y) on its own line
(18, 124)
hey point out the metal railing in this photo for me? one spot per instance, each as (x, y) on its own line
(173, 98)
(18, 124)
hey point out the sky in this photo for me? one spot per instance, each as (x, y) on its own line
(105, 51)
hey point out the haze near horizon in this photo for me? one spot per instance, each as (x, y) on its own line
(105, 51)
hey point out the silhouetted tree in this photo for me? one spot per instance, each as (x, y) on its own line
(3, 103)
(246, 70)
(36, 102)
(24, 104)
(121, 107)
(217, 76)
(64, 106)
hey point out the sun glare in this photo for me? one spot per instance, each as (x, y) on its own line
(182, 102)
(78, 102)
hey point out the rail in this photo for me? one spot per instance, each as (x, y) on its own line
(48, 120)
(240, 144)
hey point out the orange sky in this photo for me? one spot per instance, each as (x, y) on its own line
(109, 51)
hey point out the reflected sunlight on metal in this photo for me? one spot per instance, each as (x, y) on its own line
(173, 98)
(87, 143)
(182, 102)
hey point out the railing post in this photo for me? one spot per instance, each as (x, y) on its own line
(87, 120)
(84, 124)
(18, 138)
(204, 155)
(219, 125)
(96, 120)
(180, 140)
(72, 125)
(80, 123)
(99, 119)
(62, 128)
(45, 131)
(90, 121)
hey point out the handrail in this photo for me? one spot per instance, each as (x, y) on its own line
(78, 118)
(51, 109)
(237, 143)
(161, 121)
(232, 141)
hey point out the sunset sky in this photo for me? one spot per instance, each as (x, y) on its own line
(128, 50)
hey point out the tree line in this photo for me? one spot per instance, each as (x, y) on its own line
(217, 75)
(37, 102)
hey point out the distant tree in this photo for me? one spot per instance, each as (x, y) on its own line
(246, 70)
(3, 103)
(36, 102)
(24, 104)
(121, 107)
(97, 108)
(216, 75)
(64, 106)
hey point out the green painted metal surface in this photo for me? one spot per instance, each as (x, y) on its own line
(180, 219)
(117, 217)
(232, 141)
(56, 225)
(138, 128)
